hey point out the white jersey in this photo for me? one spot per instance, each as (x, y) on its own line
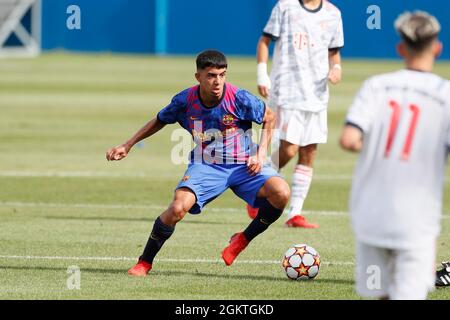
(396, 196)
(300, 64)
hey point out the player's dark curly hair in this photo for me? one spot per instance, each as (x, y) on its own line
(211, 58)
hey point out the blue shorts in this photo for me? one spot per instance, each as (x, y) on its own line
(208, 181)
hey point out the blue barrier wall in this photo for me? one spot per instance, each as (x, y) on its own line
(232, 26)
(362, 42)
(106, 25)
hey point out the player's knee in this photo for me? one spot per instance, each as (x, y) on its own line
(281, 194)
(284, 194)
(291, 151)
(307, 155)
(177, 211)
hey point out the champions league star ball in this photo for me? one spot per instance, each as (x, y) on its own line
(301, 262)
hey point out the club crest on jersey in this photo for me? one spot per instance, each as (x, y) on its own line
(185, 178)
(228, 120)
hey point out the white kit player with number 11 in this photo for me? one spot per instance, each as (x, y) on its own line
(401, 124)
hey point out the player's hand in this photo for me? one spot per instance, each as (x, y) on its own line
(254, 165)
(117, 153)
(263, 91)
(335, 75)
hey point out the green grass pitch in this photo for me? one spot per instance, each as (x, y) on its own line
(62, 204)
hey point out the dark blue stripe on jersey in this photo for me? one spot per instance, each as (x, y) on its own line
(351, 124)
(336, 48)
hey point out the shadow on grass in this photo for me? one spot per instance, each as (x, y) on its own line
(112, 219)
(178, 273)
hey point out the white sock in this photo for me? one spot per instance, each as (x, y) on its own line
(301, 180)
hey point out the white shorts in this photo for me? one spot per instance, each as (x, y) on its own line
(397, 274)
(302, 128)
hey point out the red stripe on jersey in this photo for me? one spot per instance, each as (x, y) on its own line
(396, 110)
(412, 129)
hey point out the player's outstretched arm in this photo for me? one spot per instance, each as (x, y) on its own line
(262, 56)
(335, 74)
(121, 151)
(256, 162)
(351, 139)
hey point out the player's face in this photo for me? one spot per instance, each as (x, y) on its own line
(212, 81)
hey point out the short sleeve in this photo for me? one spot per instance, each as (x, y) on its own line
(249, 107)
(362, 112)
(173, 112)
(337, 41)
(273, 26)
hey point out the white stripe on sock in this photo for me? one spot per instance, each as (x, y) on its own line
(301, 182)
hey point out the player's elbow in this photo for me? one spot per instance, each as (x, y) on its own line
(264, 41)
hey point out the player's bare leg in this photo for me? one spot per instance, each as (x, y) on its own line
(284, 154)
(279, 159)
(163, 228)
(301, 179)
(182, 202)
(275, 193)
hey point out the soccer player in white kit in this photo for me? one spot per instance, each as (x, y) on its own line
(400, 122)
(308, 35)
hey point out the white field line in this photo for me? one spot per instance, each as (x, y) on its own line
(131, 206)
(15, 204)
(76, 174)
(62, 258)
(105, 174)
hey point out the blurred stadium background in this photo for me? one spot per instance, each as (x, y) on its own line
(85, 90)
(188, 27)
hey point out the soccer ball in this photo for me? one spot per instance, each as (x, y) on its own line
(301, 262)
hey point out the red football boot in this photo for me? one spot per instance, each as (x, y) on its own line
(238, 242)
(252, 212)
(140, 269)
(300, 222)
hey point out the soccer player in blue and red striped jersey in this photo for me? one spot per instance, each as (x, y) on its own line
(219, 117)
